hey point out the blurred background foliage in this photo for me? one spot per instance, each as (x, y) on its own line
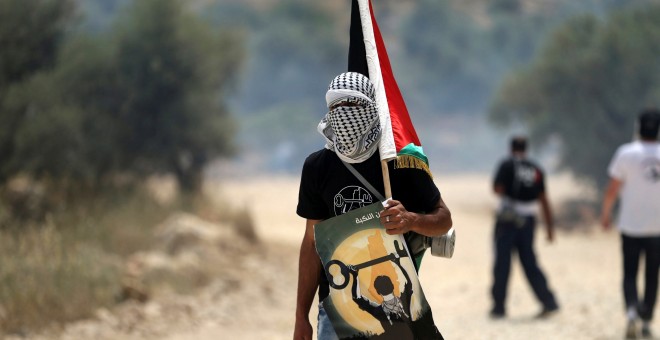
(449, 57)
(144, 96)
(99, 96)
(589, 81)
(94, 88)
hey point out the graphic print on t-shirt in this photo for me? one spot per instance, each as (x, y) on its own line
(351, 197)
(651, 170)
(526, 175)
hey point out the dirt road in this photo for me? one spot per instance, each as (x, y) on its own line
(258, 302)
(583, 268)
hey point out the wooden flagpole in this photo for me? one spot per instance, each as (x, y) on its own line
(357, 62)
(386, 179)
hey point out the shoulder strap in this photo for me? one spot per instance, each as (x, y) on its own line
(364, 181)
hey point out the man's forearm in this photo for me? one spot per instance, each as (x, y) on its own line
(547, 211)
(435, 223)
(309, 273)
(611, 194)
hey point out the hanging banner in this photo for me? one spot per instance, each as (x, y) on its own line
(374, 288)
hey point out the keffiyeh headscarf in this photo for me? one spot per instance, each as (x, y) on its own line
(352, 132)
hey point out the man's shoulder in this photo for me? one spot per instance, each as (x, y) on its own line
(631, 147)
(320, 158)
(408, 171)
(319, 155)
(628, 151)
(505, 163)
(533, 163)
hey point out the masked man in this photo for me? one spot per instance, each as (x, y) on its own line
(327, 188)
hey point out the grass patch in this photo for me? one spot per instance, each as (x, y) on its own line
(70, 264)
(45, 278)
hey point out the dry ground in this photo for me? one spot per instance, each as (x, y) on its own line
(583, 268)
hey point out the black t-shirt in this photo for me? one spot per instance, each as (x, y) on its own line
(329, 189)
(522, 179)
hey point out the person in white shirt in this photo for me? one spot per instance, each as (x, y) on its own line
(635, 176)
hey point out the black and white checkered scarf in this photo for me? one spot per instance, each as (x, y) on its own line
(352, 132)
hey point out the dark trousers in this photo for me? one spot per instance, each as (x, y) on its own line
(633, 248)
(509, 238)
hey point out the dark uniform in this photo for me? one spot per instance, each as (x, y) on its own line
(523, 183)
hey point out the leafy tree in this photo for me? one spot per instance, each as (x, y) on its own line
(49, 139)
(173, 69)
(587, 86)
(456, 59)
(30, 33)
(146, 97)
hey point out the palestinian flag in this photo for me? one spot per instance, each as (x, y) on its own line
(367, 55)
